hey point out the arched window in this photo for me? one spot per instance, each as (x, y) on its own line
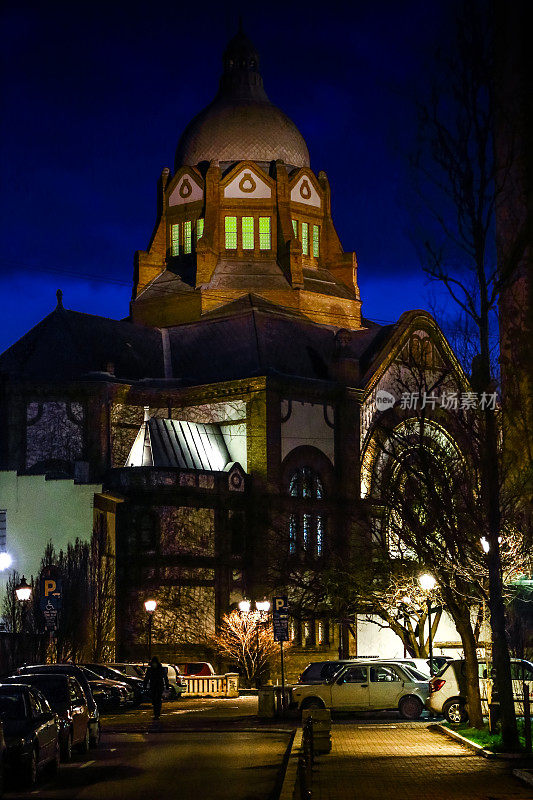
(307, 524)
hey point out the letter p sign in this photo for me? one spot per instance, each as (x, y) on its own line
(49, 587)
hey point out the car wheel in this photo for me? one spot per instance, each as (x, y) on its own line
(410, 707)
(66, 751)
(172, 693)
(312, 702)
(54, 766)
(84, 745)
(94, 741)
(30, 779)
(455, 711)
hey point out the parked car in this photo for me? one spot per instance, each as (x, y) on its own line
(2, 759)
(133, 670)
(67, 700)
(31, 732)
(75, 672)
(447, 689)
(366, 686)
(136, 684)
(189, 668)
(108, 694)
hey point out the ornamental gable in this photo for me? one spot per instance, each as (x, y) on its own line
(187, 190)
(248, 184)
(305, 192)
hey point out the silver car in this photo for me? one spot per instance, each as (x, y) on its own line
(367, 686)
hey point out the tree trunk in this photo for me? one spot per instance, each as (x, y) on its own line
(473, 694)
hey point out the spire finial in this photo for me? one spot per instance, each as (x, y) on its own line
(59, 295)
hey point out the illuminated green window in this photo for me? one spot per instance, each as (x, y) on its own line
(316, 241)
(264, 233)
(295, 227)
(187, 237)
(247, 233)
(199, 228)
(175, 239)
(305, 238)
(231, 233)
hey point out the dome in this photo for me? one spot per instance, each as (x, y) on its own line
(241, 122)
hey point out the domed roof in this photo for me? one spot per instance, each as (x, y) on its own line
(241, 122)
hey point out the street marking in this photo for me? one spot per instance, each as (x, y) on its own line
(87, 764)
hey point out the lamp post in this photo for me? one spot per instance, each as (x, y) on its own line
(23, 595)
(427, 583)
(150, 606)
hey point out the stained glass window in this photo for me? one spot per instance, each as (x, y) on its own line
(316, 241)
(264, 233)
(199, 228)
(175, 239)
(305, 238)
(187, 237)
(231, 233)
(295, 227)
(247, 233)
(307, 530)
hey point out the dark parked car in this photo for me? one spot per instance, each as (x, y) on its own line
(139, 692)
(2, 758)
(76, 672)
(31, 732)
(108, 694)
(67, 700)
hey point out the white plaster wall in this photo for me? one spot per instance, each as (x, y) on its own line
(248, 178)
(196, 193)
(307, 426)
(372, 640)
(39, 511)
(296, 192)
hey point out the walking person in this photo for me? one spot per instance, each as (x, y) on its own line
(156, 681)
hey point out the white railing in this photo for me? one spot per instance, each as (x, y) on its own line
(212, 685)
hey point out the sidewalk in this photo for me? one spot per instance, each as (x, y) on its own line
(385, 762)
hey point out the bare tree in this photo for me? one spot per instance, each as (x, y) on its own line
(248, 642)
(461, 189)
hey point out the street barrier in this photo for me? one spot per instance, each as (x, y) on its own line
(212, 685)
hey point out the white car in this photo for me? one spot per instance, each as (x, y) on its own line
(366, 686)
(447, 689)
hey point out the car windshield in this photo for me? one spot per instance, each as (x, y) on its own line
(54, 690)
(12, 705)
(90, 674)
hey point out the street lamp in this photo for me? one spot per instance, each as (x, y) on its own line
(428, 583)
(23, 590)
(150, 606)
(244, 606)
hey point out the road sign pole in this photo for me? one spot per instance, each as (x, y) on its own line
(282, 675)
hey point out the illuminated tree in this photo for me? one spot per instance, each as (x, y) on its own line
(247, 640)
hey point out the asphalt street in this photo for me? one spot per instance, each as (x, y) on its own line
(186, 765)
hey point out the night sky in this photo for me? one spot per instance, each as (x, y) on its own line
(94, 100)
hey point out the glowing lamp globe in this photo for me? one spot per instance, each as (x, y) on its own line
(23, 590)
(150, 606)
(262, 605)
(427, 582)
(244, 606)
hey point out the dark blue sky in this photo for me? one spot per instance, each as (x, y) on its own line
(95, 97)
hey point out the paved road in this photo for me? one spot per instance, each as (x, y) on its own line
(188, 765)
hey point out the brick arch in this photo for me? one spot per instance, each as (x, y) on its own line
(308, 456)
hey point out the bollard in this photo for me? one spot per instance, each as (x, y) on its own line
(320, 719)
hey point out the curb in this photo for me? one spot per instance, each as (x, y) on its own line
(189, 729)
(477, 748)
(524, 775)
(289, 782)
